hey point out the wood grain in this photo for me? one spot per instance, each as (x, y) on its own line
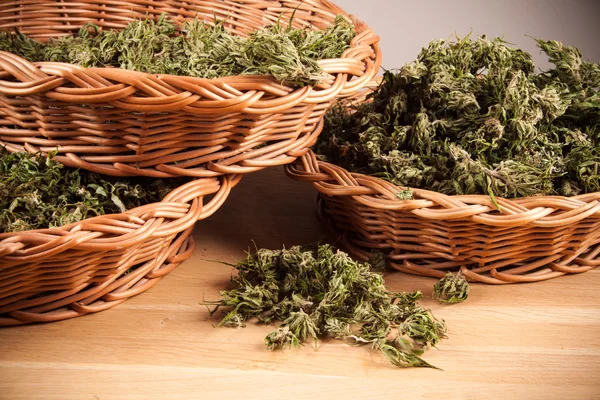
(522, 341)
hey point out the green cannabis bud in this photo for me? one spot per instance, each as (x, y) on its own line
(37, 192)
(405, 194)
(473, 116)
(325, 293)
(282, 337)
(377, 261)
(200, 49)
(452, 288)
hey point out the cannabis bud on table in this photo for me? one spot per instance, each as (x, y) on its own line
(327, 293)
(452, 288)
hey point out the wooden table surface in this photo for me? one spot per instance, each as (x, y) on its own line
(537, 341)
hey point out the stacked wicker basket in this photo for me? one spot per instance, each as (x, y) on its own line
(125, 123)
(528, 240)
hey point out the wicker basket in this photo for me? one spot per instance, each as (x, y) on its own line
(532, 239)
(123, 123)
(89, 266)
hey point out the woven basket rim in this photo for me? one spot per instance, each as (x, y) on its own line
(219, 186)
(362, 32)
(367, 223)
(375, 192)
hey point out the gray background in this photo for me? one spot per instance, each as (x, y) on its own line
(407, 26)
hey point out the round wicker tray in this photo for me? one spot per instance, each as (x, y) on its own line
(123, 123)
(532, 239)
(92, 265)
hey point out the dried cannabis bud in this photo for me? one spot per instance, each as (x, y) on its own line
(327, 293)
(37, 192)
(377, 261)
(199, 49)
(451, 288)
(473, 117)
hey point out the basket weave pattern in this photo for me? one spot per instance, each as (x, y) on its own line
(89, 266)
(532, 239)
(124, 123)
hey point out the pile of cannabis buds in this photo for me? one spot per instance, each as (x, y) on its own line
(199, 49)
(37, 192)
(324, 293)
(473, 117)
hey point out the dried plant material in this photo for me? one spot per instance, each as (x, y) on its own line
(452, 288)
(37, 192)
(377, 261)
(327, 293)
(405, 194)
(200, 49)
(473, 117)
